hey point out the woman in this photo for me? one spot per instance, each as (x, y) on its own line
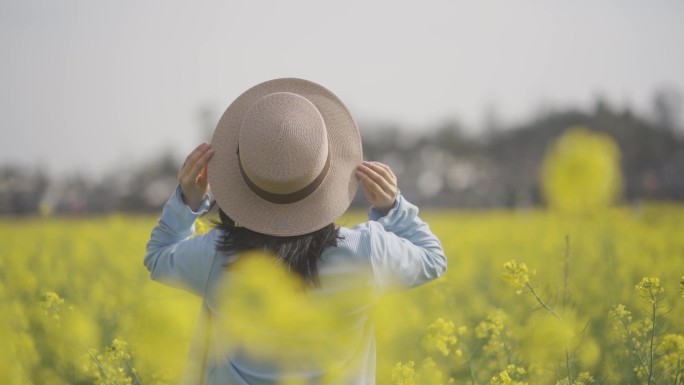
(284, 163)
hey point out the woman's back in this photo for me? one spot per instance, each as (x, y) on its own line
(265, 329)
(288, 161)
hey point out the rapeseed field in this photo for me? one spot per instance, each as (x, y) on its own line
(587, 290)
(529, 297)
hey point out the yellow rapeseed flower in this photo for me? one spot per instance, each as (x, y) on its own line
(584, 378)
(517, 275)
(112, 366)
(512, 375)
(404, 374)
(620, 312)
(51, 304)
(581, 172)
(440, 335)
(493, 329)
(430, 374)
(671, 351)
(649, 287)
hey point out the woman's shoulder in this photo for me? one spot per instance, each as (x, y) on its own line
(352, 255)
(355, 232)
(360, 237)
(362, 229)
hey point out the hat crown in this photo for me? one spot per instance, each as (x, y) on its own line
(283, 143)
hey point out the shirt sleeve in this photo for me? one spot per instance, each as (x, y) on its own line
(404, 251)
(173, 256)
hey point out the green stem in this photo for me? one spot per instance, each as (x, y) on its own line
(566, 298)
(567, 365)
(137, 379)
(548, 308)
(651, 348)
(566, 271)
(635, 349)
(539, 300)
(99, 365)
(469, 357)
(504, 341)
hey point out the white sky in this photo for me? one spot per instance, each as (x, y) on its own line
(93, 85)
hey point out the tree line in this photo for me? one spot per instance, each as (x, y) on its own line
(437, 167)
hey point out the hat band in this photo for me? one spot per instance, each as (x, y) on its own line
(292, 197)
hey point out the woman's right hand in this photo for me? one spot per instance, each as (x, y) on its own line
(192, 176)
(380, 185)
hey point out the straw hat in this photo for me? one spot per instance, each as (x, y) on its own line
(285, 155)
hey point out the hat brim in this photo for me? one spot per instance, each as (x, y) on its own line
(325, 204)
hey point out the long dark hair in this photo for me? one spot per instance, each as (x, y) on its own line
(300, 253)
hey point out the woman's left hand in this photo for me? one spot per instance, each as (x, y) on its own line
(380, 185)
(193, 176)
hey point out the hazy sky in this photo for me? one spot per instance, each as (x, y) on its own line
(89, 85)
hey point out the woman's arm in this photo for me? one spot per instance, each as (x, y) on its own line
(405, 252)
(173, 257)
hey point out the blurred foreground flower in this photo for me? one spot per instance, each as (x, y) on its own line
(201, 227)
(581, 172)
(270, 314)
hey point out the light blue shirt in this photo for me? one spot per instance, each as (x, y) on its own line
(397, 250)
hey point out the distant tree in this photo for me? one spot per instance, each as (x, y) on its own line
(21, 190)
(667, 108)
